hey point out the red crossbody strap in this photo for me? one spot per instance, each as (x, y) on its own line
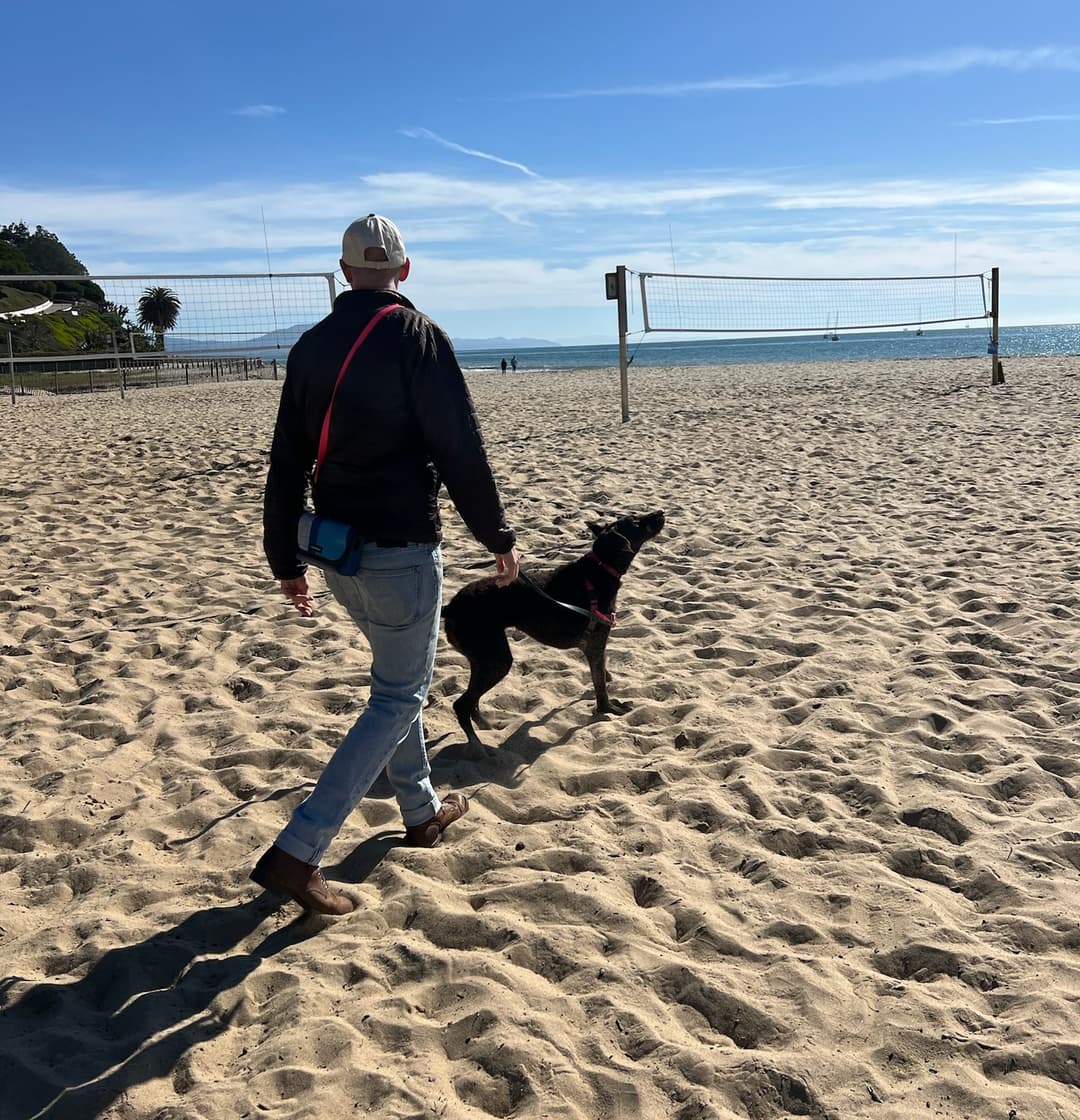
(324, 437)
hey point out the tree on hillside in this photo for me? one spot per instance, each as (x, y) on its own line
(46, 254)
(159, 309)
(14, 263)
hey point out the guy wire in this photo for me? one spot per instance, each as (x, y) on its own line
(270, 278)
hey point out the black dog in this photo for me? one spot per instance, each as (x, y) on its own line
(574, 605)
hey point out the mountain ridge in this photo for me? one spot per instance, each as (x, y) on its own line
(502, 343)
(284, 337)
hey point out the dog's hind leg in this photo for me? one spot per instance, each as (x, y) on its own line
(489, 661)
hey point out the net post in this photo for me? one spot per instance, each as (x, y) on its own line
(997, 373)
(11, 364)
(624, 386)
(131, 347)
(119, 367)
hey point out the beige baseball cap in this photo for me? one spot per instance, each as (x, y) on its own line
(373, 232)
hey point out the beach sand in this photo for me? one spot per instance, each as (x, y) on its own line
(827, 866)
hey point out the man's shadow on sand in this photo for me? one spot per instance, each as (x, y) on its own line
(68, 1050)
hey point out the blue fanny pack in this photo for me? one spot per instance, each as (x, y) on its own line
(328, 544)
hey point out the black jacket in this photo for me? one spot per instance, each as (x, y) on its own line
(403, 423)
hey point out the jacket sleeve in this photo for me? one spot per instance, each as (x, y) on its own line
(447, 418)
(291, 457)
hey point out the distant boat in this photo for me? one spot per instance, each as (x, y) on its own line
(919, 331)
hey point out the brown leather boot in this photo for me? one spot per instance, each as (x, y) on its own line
(282, 873)
(428, 834)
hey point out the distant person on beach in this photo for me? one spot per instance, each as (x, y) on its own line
(403, 423)
(513, 364)
(504, 365)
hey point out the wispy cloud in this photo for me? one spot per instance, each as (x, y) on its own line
(1038, 118)
(302, 215)
(259, 111)
(1060, 188)
(939, 64)
(427, 134)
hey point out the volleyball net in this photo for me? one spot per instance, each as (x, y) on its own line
(211, 315)
(230, 314)
(760, 305)
(771, 304)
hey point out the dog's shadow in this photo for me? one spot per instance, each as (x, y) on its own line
(463, 762)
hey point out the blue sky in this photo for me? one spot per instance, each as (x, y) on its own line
(526, 149)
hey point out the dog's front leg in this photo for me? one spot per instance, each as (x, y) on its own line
(595, 649)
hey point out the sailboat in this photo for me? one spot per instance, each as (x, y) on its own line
(834, 337)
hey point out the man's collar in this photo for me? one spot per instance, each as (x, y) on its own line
(371, 297)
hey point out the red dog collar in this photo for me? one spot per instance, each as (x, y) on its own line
(606, 567)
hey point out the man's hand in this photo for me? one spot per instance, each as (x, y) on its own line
(507, 566)
(296, 591)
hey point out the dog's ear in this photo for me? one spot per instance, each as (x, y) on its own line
(597, 528)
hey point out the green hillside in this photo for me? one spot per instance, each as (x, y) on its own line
(11, 299)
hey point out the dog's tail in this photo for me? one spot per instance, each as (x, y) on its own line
(449, 620)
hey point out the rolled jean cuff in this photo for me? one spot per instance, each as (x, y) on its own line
(298, 849)
(413, 817)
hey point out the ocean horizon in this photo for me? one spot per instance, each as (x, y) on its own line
(962, 342)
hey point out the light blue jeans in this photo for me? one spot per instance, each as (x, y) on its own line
(395, 599)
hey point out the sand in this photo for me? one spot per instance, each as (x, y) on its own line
(826, 867)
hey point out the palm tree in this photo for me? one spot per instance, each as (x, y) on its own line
(159, 308)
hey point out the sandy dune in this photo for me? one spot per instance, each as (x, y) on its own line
(828, 866)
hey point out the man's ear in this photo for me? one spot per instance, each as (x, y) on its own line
(404, 273)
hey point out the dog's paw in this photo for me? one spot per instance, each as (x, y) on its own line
(614, 708)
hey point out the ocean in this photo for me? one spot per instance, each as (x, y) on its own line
(965, 342)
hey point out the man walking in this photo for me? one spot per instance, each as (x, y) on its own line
(402, 423)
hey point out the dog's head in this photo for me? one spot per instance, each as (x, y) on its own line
(617, 542)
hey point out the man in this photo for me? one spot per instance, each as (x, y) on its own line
(402, 423)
